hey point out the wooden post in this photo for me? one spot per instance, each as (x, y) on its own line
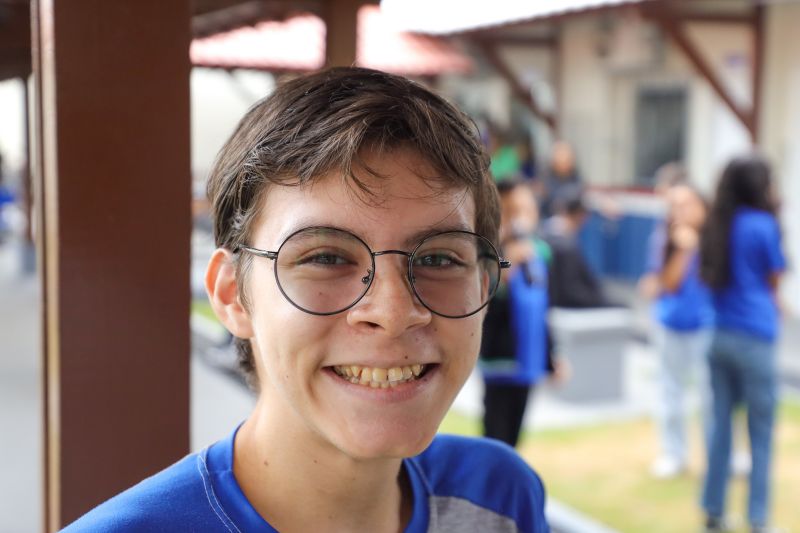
(341, 28)
(112, 110)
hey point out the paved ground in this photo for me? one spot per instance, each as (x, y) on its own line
(225, 401)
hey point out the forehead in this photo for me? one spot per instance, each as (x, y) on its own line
(403, 198)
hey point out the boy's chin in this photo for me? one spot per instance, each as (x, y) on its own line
(388, 445)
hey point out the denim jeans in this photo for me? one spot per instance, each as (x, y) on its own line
(742, 369)
(684, 365)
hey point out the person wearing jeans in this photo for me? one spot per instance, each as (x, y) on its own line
(742, 262)
(684, 316)
(683, 365)
(742, 366)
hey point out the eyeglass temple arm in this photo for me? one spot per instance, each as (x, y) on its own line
(505, 264)
(260, 253)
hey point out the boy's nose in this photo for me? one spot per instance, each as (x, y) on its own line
(390, 303)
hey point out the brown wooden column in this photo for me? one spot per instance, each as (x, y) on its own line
(113, 125)
(341, 27)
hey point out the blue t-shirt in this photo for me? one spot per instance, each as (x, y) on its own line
(689, 308)
(527, 300)
(458, 483)
(747, 303)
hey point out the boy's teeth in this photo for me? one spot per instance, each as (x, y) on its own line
(379, 374)
(382, 378)
(395, 374)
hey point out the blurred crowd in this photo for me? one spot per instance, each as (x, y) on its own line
(712, 275)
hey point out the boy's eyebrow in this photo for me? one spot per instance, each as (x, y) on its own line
(415, 238)
(411, 241)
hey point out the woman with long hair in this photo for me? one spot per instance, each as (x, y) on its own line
(741, 260)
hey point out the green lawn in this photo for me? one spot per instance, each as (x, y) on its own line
(603, 472)
(203, 308)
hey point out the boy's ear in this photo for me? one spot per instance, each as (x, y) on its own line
(223, 294)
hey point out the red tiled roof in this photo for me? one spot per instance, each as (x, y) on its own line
(298, 44)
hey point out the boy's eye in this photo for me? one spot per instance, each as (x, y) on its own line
(435, 260)
(325, 259)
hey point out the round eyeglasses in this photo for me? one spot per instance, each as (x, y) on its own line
(324, 271)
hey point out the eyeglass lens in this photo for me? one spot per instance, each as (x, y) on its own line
(325, 270)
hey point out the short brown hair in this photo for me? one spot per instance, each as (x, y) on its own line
(320, 123)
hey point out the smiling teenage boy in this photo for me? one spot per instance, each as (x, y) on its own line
(354, 217)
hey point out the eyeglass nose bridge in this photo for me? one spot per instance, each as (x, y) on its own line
(366, 280)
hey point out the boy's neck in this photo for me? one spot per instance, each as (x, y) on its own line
(297, 484)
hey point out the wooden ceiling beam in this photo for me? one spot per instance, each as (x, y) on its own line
(672, 27)
(236, 14)
(522, 93)
(520, 40)
(716, 18)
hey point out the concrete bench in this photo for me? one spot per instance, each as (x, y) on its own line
(593, 340)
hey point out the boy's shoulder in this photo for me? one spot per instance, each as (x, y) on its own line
(174, 499)
(483, 474)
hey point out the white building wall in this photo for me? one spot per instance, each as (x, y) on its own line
(598, 104)
(586, 97)
(218, 101)
(12, 125)
(780, 130)
(535, 66)
(488, 96)
(717, 134)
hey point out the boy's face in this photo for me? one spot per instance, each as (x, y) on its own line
(297, 354)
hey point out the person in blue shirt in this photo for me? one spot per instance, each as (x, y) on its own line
(684, 316)
(355, 220)
(516, 352)
(742, 261)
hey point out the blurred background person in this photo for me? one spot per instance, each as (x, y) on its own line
(516, 351)
(742, 261)
(572, 283)
(667, 176)
(528, 166)
(505, 162)
(561, 180)
(6, 200)
(684, 316)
